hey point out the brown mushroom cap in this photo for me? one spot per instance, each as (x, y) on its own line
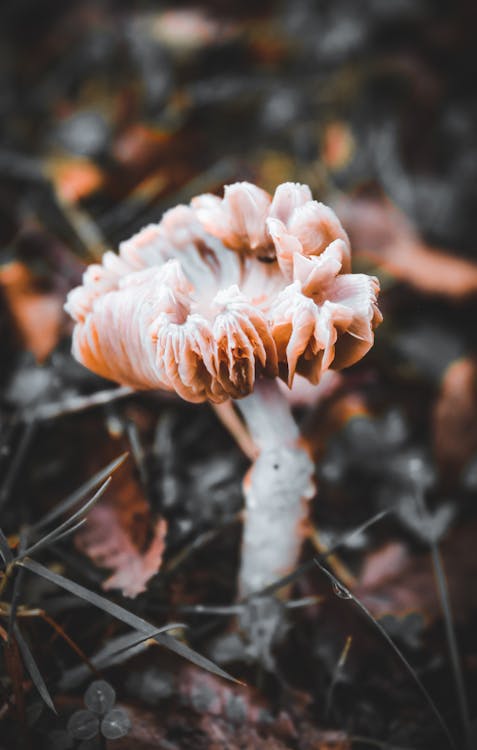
(224, 291)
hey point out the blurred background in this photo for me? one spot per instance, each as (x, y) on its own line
(112, 112)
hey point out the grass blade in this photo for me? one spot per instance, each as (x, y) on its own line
(111, 608)
(70, 531)
(179, 648)
(17, 587)
(134, 644)
(79, 494)
(114, 652)
(443, 592)
(129, 618)
(25, 442)
(304, 567)
(336, 675)
(345, 593)
(5, 551)
(452, 644)
(67, 525)
(76, 404)
(32, 668)
(194, 657)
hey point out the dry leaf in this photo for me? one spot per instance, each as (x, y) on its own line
(74, 178)
(37, 313)
(382, 234)
(118, 536)
(333, 414)
(395, 582)
(139, 145)
(108, 544)
(455, 416)
(338, 145)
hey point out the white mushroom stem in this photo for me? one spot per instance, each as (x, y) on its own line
(276, 488)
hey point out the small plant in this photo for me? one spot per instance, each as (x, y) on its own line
(100, 720)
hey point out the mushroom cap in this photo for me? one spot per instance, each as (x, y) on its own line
(224, 291)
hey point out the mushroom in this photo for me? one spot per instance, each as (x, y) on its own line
(216, 302)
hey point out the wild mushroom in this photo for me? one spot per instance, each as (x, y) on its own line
(217, 301)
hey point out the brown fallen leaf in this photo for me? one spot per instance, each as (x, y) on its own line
(339, 145)
(150, 163)
(108, 545)
(329, 417)
(395, 582)
(383, 565)
(37, 313)
(74, 178)
(455, 416)
(381, 234)
(139, 145)
(120, 535)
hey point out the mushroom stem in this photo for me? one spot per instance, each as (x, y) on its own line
(276, 488)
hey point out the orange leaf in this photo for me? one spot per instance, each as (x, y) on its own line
(381, 233)
(37, 314)
(108, 544)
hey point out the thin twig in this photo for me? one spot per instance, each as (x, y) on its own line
(308, 565)
(25, 442)
(232, 422)
(86, 230)
(228, 610)
(345, 593)
(137, 451)
(337, 674)
(334, 561)
(75, 497)
(71, 643)
(55, 534)
(199, 542)
(452, 644)
(80, 403)
(17, 585)
(443, 592)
